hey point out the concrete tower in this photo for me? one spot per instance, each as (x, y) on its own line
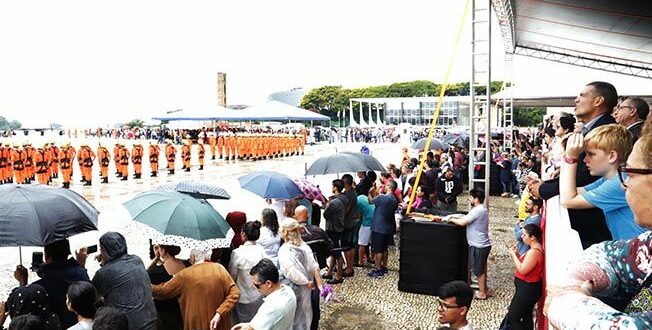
(221, 89)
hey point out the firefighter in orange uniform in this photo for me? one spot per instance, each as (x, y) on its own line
(212, 141)
(105, 159)
(137, 153)
(153, 157)
(123, 155)
(86, 157)
(116, 159)
(18, 161)
(220, 143)
(185, 154)
(170, 155)
(201, 153)
(234, 144)
(30, 172)
(42, 160)
(54, 155)
(5, 155)
(66, 155)
(227, 145)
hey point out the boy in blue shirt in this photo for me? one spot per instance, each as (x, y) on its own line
(606, 147)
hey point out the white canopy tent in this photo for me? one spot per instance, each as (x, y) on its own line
(270, 111)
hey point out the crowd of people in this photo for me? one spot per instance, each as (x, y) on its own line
(278, 267)
(24, 164)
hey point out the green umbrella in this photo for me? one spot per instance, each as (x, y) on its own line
(179, 219)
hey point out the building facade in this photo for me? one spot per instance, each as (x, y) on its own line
(417, 111)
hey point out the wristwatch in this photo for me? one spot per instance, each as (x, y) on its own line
(570, 160)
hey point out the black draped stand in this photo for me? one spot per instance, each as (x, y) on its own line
(431, 254)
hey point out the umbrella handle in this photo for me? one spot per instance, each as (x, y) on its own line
(20, 254)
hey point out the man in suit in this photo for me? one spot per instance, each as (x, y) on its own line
(592, 108)
(632, 113)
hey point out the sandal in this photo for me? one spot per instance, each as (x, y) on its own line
(327, 277)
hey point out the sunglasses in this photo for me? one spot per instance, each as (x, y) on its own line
(623, 169)
(258, 285)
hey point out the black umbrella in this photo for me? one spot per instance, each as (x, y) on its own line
(37, 215)
(338, 163)
(370, 161)
(197, 189)
(435, 143)
(459, 140)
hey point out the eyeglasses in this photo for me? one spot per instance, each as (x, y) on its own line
(444, 306)
(625, 107)
(622, 169)
(258, 285)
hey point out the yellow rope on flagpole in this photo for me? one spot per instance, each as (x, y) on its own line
(439, 102)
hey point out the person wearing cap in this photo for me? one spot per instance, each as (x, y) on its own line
(201, 153)
(66, 155)
(104, 158)
(42, 160)
(86, 156)
(448, 188)
(185, 155)
(154, 152)
(123, 156)
(30, 171)
(137, 153)
(170, 156)
(18, 161)
(54, 155)
(4, 163)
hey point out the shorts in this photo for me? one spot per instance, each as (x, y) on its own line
(347, 239)
(380, 242)
(336, 238)
(478, 259)
(364, 236)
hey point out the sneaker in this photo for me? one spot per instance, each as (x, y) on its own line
(335, 281)
(376, 273)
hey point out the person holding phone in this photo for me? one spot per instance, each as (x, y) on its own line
(56, 274)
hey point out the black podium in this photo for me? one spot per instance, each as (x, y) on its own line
(431, 254)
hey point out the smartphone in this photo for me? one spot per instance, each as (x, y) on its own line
(91, 249)
(37, 260)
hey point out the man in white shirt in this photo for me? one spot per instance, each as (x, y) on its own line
(277, 312)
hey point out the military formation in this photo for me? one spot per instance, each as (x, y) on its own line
(24, 164)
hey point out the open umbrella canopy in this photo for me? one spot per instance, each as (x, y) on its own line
(37, 215)
(458, 140)
(179, 219)
(310, 190)
(435, 143)
(270, 184)
(370, 161)
(338, 163)
(197, 189)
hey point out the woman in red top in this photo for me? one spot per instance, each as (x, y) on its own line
(527, 279)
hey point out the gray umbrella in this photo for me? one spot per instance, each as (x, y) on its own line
(435, 143)
(197, 189)
(338, 163)
(459, 140)
(370, 161)
(36, 215)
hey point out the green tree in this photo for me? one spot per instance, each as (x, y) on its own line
(5, 124)
(136, 123)
(328, 100)
(528, 117)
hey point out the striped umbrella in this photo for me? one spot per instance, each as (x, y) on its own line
(197, 189)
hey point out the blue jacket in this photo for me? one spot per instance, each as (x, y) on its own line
(55, 278)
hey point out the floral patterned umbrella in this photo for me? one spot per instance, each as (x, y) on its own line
(310, 190)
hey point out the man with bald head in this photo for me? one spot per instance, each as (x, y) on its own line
(321, 246)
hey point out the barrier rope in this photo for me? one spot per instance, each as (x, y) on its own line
(439, 103)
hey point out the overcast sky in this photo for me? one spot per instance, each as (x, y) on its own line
(96, 63)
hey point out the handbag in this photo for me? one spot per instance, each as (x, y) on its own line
(642, 301)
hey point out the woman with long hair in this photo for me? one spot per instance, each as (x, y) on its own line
(270, 239)
(299, 269)
(527, 279)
